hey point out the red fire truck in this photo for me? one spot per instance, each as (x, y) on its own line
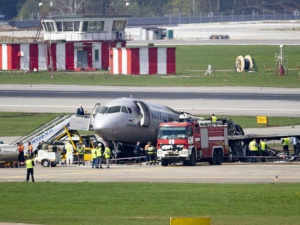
(193, 141)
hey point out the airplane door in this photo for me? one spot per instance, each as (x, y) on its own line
(145, 120)
(95, 111)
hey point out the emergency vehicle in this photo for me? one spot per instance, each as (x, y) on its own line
(192, 141)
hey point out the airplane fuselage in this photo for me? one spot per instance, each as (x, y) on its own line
(130, 120)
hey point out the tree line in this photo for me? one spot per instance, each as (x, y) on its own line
(30, 9)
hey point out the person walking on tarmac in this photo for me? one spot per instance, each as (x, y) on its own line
(29, 165)
(94, 157)
(107, 154)
(253, 147)
(80, 154)
(285, 144)
(151, 152)
(99, 156)
(69, 150)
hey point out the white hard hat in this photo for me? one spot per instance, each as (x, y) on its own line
(99, 145)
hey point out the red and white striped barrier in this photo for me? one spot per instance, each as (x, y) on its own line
(136, 61)
(33, 56)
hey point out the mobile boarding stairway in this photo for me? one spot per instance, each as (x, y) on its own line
(54, 129)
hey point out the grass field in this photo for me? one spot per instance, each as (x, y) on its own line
(192, 61)
(148, 203)
(19, 124)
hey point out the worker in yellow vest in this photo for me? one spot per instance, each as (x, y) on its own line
(262, 149)
(94, 157)
(69, 155)
(285, 144)
(253, 147)
(214, 118)
(107, 155)
(152, 154)
(99, 156)
(80, 154)
(29, 165)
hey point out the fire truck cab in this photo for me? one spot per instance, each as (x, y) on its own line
(191, 141)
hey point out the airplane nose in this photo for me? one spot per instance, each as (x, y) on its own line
(100, 123)
(105, 124)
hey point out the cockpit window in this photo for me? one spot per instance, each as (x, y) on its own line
(124, 109)
(130, 110)
(114, 109)
(103, 109)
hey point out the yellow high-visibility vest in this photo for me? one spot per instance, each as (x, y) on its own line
(107, 152)
(80, 150)
(253, 146)
(214, 119)
(69, 148)
(262, 146)
(286, 141)
(98, 152)
(94, 153)
(29, 164)
(151, 150)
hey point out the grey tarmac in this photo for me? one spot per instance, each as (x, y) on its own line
(287, 172)
(198, 100)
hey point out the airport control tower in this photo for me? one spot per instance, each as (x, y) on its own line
(71, 42)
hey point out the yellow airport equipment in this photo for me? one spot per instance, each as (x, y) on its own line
(262, 120)
(190, 221)
(82, 139)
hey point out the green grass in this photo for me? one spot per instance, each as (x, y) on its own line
(19, 124)
(250, 121)
(192, 62)
(148, 203)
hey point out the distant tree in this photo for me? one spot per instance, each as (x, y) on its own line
(72, 7)
(8, 8)
(29, 7)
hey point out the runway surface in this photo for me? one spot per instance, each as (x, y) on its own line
(202, 173)
(196, 100)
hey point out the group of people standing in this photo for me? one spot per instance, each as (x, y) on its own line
(98, 154)
(21, 157)
(149, 151)
(261, 147)
(27, 159)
